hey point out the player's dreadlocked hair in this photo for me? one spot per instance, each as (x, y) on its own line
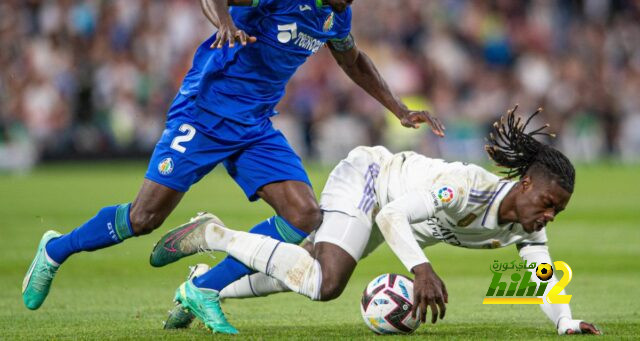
(512, 148)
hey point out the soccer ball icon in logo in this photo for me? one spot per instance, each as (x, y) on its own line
(544, 271)
(386, 305)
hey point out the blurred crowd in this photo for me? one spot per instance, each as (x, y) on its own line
(82, 78)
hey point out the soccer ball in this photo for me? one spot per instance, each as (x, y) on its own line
(544, 271)
(386, 305)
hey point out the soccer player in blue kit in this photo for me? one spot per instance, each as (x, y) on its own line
(222, 114)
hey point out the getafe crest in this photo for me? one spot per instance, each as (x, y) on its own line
(328, 24)
(165, 167)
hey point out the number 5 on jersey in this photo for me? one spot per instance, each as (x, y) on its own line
(287, 32)
(190, 133)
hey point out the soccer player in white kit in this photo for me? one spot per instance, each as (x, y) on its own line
(411, 202)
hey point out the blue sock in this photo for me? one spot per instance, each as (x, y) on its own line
(110, 226)
(230, 269)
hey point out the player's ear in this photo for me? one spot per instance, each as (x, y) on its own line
(525, 183)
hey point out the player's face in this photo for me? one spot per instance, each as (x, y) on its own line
(339, 5)
(539, 202)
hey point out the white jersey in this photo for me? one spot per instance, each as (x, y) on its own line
(468, 198)
(411, 201)
(431, 200)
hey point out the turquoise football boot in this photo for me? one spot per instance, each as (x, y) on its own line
(37, 281)
(179, 317)
(205, 305)
(182, 241)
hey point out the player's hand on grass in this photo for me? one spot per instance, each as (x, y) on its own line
(428, 291)
(413, 119)
(228, 32)
(586, 328)
(569, 327)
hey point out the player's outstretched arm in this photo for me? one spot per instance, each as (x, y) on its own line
(559, 314)
(394, 222)
(217, 11)
(359, 67)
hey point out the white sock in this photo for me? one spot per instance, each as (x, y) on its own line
(254, 285)
(291, 264)
(217, 236)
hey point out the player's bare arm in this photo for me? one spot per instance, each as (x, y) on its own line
(217, 11)
(394, 221)
(559, 314)
(359, 67)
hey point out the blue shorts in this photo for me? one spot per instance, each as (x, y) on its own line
(195, 141)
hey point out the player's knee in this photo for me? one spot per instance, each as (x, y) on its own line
(306, 216)
(330, 289)
(144, 222)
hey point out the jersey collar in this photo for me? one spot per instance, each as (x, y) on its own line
(490, 217)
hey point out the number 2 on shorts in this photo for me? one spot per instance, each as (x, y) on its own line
(190, 133)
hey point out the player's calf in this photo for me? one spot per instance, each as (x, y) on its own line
(307, 217)
(144, 222)
(152, 206)
(295, 202)
(330, 289)
(337, 266)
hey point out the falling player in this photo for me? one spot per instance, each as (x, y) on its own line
(222, 114)
(409, 201)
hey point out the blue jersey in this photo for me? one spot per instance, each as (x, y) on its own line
(245, 83)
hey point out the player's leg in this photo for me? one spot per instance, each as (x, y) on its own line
(297, 215)
(113, 224)
(349, 194)
(272, 171)
(268, 169)
(110, 226)
(295, 202)
(170, 173)
(258, 284)
(321, 276)
(349, 189)
(340, 246)
(265, 158)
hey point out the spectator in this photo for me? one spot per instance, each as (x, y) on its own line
(96, 77)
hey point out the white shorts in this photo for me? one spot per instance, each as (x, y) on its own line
(350, 203)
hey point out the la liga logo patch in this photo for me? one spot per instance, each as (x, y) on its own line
(165, 167)
(445, 194)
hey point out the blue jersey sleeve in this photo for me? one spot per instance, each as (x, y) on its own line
(343, 24)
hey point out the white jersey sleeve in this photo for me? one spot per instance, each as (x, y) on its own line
(395, 218)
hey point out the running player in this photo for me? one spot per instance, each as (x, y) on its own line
(411, 201)
(222, 114)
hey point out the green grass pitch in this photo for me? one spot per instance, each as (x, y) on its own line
(114, 293)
